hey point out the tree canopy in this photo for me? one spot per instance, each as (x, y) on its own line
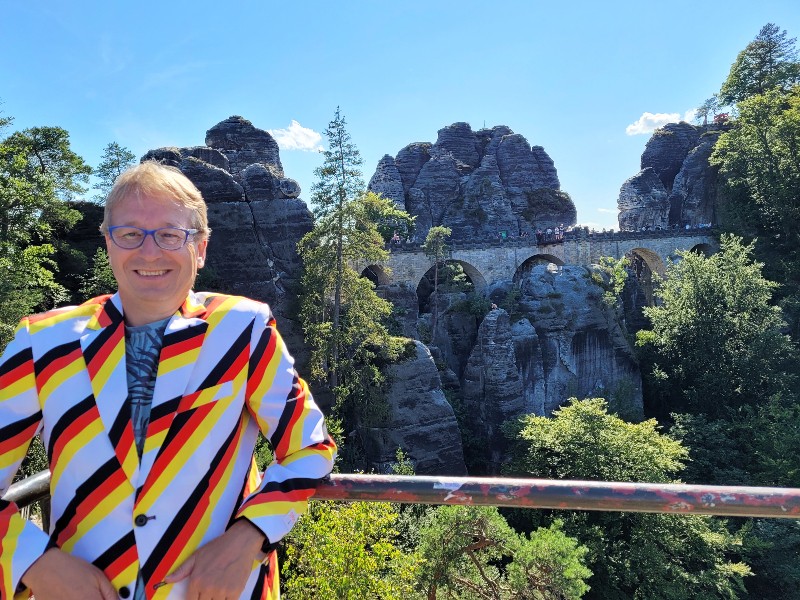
(631, 555)
(768, 62)
(717, 340)
(114, 161)
(39, 173)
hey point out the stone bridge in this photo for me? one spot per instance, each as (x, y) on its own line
(488, 261)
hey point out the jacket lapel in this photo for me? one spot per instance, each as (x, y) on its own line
(103, 347)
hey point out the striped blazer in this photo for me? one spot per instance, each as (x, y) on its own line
(224, 374)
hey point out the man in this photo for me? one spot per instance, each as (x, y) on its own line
(149, 403)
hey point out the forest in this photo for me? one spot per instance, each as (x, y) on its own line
(718, 354)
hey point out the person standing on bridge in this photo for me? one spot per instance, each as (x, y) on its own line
(149, 402)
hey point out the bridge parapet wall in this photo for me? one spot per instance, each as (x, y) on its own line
(490, 260)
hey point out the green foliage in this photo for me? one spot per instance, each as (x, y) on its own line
(510, 303)
(452, 278)
(115, 160)
(472, 552)
(631, 555)
(27, 285)
(709, 107)
(344, 320)
(718, 456)
(38, 174)
(347, 551)
(759, 159)
(772, 547)
(716, 341)
(583, 441)
(545, 201)
(611, 276)
(769, 62)
(339, 179)
(549, 565)
(435, 245)
(387, 218)
(100, 279)
(263, 452)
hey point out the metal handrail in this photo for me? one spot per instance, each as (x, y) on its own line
(739, 501)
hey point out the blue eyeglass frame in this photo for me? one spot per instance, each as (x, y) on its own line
(150, 232)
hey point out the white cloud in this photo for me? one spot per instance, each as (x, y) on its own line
(297, 137)
(607, 210)
(649, 122)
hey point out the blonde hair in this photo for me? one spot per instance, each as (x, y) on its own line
(151, 178)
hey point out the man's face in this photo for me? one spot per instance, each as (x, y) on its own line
(153, 282)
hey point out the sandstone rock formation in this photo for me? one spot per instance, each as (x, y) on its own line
(694, 191)
(666, 150)
(492, 386)
(476, 183)
(562, 342)
(422, 422)
(643, 201)
(676, 185)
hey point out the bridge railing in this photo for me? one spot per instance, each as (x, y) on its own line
(739, 501)
(569, 235)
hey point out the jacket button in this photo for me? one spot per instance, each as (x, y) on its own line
(140, 520)
(124, 592)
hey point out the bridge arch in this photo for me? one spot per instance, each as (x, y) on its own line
(475, 276)
(536, 259)
(651, 259)
(425, 284)
(376, 274)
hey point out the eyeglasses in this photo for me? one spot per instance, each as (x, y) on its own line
(128, 237)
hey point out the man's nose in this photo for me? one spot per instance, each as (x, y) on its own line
(149, 246)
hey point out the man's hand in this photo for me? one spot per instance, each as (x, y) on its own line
(56, 575)
(219, 570)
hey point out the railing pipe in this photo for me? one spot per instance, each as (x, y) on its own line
(740, 501)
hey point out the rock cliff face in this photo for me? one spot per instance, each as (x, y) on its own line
(476, 183)
(422, 421)
(561, 342)
(676, 186)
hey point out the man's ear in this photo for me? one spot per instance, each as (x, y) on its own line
(201, 254)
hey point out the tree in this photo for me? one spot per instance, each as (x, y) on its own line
(344, 320)
(472, 552)
(338, 182)
(346, 352)
(100, 279)
(717, 342)
(631, 555)
(39, 173)
(115, 160)
(347, 551)
(766, 63)
(759, 160)
(435, 246)
(708, 107)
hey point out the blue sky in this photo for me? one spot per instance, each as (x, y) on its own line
(570, 76)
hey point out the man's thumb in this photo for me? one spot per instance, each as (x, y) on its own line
(181, 572)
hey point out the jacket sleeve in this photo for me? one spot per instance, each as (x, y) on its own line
(289, 418)
(21, 542)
